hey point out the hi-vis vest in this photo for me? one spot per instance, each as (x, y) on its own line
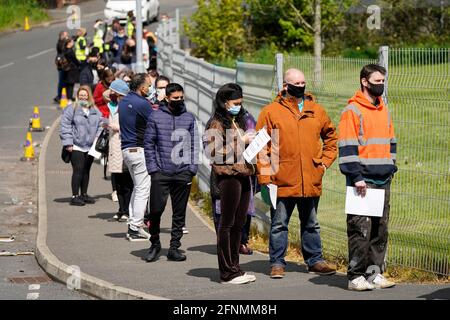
(130, 28)
(98, 41)
(79, 52)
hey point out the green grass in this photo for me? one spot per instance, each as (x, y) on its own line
(13, 13)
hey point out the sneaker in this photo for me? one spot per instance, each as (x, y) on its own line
(238, 280)
(116, 216)
(277, 272)
(124, 218)
(175, 255)
(144, 233)
(185, 230)
(322, 268)
(243, 249)
(359, 284)
(77, 201)
(251, 277)
(134, 236)
(155, 248)
(88, 199)
(114, 196)
(380, 282)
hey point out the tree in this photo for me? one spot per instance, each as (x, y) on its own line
(218, 30)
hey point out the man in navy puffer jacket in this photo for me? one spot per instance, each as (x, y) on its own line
(171, 145)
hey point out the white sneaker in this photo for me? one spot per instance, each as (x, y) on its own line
(251, 277)
(114, 196)
(380, 282)
(185, 230)
(360, 284)
(238, 280)
(116, 216)
(144, 233)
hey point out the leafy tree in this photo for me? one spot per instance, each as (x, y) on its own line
(218, 29)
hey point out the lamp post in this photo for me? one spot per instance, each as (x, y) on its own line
(139, 63)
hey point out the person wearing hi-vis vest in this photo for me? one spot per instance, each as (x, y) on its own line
(81, 45)
(306, 147)
(130, 24)
(367, 154)
(98, 36)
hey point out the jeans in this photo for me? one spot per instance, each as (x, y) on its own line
(134, 158)
(309, 230)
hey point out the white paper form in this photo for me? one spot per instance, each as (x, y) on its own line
(273, 189)
(93, 152)
(371, 205)
(258, 143)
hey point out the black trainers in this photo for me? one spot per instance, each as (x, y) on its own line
(77, 201)
(175, 255)
(88, 199)
(134, 236)
(153, 252)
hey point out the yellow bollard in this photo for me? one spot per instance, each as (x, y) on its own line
(63, 101)
(28, 151)
(27, 25)
(35, 123)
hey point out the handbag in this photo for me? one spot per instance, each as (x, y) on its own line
(65, 155)
(102, 144)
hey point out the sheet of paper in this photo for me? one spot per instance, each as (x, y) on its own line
(94, 152)
(273, 189)
(260, 140)
(371, 205)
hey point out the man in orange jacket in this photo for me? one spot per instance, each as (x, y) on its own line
(306, 147)
(367, 154)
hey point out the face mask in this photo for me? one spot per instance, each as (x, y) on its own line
(234, 110)
(296, 91)
(176, 104)
(83, 103)
(376, 90)
(161, 93)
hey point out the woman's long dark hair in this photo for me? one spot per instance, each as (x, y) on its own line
(227, 92)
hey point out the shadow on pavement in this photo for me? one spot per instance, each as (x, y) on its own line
(104, 216)
(332, 281)
(143, 253)
(117, 235)
(210, 273)
(208, 248)
(442, 294)
(62, 200)
(263, 266)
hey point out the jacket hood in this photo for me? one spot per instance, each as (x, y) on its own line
(360, 99)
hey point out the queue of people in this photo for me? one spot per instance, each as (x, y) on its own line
(154, 153)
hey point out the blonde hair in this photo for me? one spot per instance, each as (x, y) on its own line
(90, 96)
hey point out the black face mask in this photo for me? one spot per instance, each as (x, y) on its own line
(375, 90)
(296, 91)
(176, 104)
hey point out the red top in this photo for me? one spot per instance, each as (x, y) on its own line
(98, 99)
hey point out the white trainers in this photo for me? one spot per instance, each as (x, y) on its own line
(114, 196)
(185, 230)
(251, 277)
(144, 233)
(380, 282)
(238, 280)
(359, 284)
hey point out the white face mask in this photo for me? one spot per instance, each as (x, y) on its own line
(161, 94)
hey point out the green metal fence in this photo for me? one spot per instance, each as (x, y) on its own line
(418, 95)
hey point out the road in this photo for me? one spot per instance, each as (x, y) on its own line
(28, 78)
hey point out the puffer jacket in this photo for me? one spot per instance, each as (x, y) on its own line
(79, 129)
(159, 144)
(307, 140)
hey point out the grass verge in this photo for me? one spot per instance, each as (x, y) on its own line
(13, 13)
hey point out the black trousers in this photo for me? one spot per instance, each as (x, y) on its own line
(179, 187)
(234, 200)
(81, 165)
(123, 184)
(368, 240)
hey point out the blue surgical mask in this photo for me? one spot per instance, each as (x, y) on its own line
(234, 110)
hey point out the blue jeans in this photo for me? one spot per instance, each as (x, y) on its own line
(309, 230)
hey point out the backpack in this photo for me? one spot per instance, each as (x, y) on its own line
(62, 63)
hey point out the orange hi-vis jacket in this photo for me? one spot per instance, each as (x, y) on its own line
(366, 141)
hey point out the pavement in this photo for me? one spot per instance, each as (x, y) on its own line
(88, 238)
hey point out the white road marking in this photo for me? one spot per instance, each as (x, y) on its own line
(6, 65)
(34, 287)
(33, 296)
(40, 53)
